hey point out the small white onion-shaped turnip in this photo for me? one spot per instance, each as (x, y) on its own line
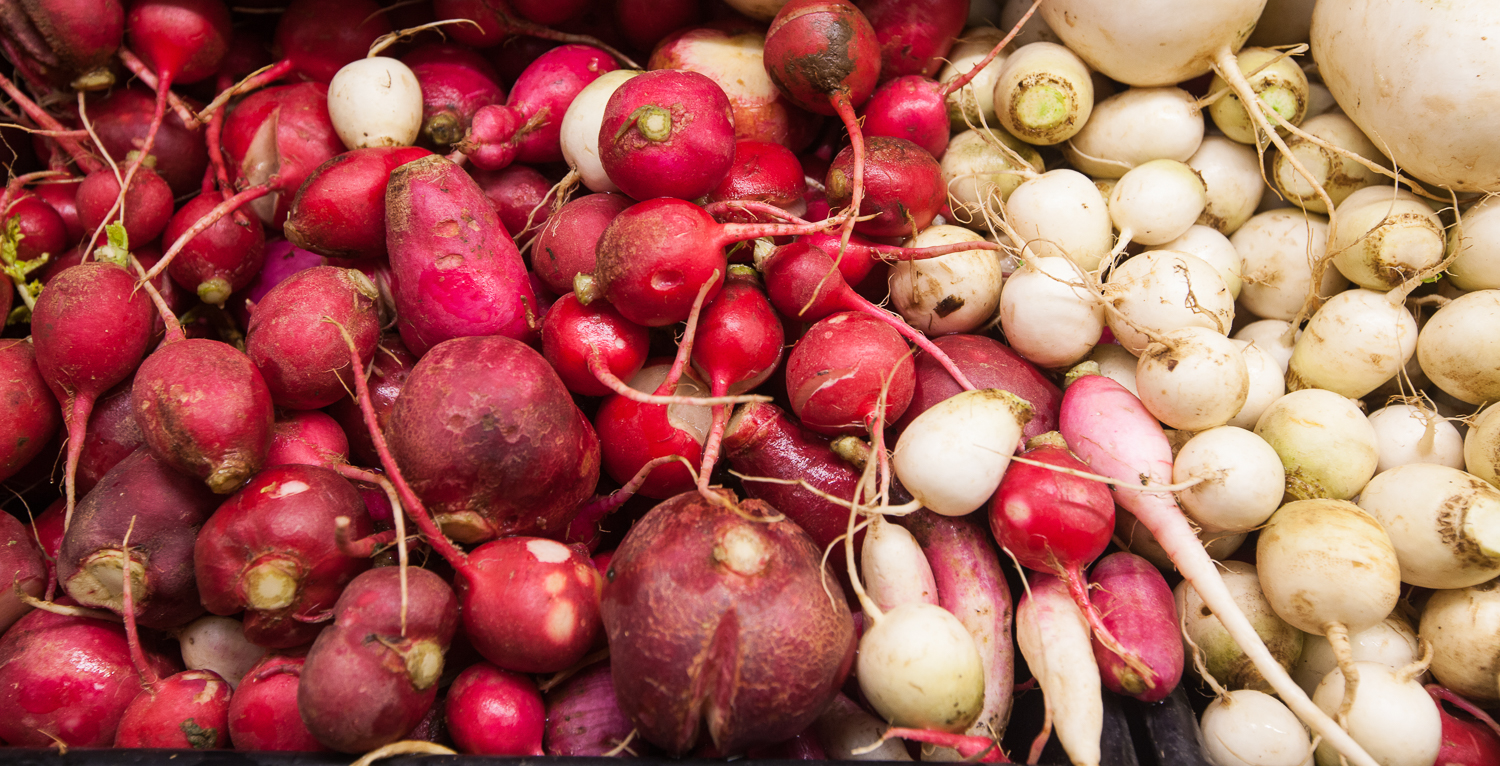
(1163, 290)
(1411, 434)
(1385, 237)
(1272, 337)
(1157, 202)
(1355, 342)
(1116, 363)
(1462, 625)
(1278, 249)
(952, 293)
(918, 667)
(1325, 442)
(1215, 249)
(951, 457)
(1149, 42)
(1477, 243)
(1246, 727)
(979, 176)
(580, 128)
(1482, 446)
(1222, 657)
(1193, 379)
(1267, 383)
(1420, 79)
(1283, 22)
(1326, 565)
(977, 99)
(1243, 480)
(1392, 642)
(1392, 716)
(1231, 173)
(1444, 523)
(218, 644)
(1048, 314)
(374, 102)
(1135, 127)
(1044, 95)
(1339, 175)
(1061, 213)
(1460, 350)
(1280, 85)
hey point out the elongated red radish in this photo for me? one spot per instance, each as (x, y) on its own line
(1117, 437)
(667, 133)
(1053, 636)
(529, 126)
(1137, 609)
(263, 711)
(490, 711)
(29, 412)
(89, 334)
(339, 211)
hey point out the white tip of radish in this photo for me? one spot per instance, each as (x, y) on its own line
(580, 128)
(1444, 523)
(375, 101)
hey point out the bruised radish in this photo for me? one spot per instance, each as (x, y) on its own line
(490, 711)
(835, 374)
(667, 133)
(914, 36)
(279, 134)
(565, 246)
(303, 358)
(756, 655)
(340, 209)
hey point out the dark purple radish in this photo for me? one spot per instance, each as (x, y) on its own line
(491, 711)
(518, 194)
(307, 437)
(29, 414)
(219, 260)
(282, 261)
(575, 337)
(22, 560)
(387, 375)
(278, 137)
(372, 675)
(753, 657)
(457, 272)
(496, 22)
(270, 551)
(530, 604)
(1136, 606)
(914, 35)
(456, 82)
(316, 38)
(583, 715)
(303, 359)
(987, 363)
(90, 329)
(528, 128)
(122, 120)
(837, 371)
(667, 133)
(204, 409)
(263, 711)
(566, 245)
(489, 438)
(168, 509)
(148, 206)
(549, 12)
(77, 677)
(644, 23)
(340, 209)
(63, 43)
(763, 172)
(903, 189)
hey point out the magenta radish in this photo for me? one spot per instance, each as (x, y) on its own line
(302, 358)
(456, 82)
(519, 194)
(39, 228)
(490, 711)
(528, 128)
(307, 437)
(263, 710)
(339, 211)
(90, 565)
(148, 204)
(914, 36)
(282, 133)
(497, 22)
(90, 333)
(667, 133)
(388, 371)
(763, 172)
(222, 259)
(1465, 742)
(837, 372)
(566, 244)
(903, 187)
(583, 716)
(576, 336)
(28, 410)
(187, 710)
(270, 551)
(764, 613)
(458, 272)
(20, 557)
(1137, 608)
(372, 675)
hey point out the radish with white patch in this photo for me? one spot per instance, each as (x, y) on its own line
(1390, 714)
(375, 101)
(1278, 82)
(1246, 727)
(1477, 244)
(1462, 625)
(1213, 248)
(1160, 291)
(1325, 443)
(1267, 383)
(1224, 660)
(980, 176)
(1355, 342)
(1280, 250)
(953, 456)
(219, 644)
(1391, 642)
(1386, 237)
(1412, 434)
(1272, 336)
(1049, 315)
(1231, 172)
(894, 569)
(1460, 360)
(580, 129)
(1243, 480)
(1053, 636)
(1192, 379)
(1339, 175)
(1134, 127)
(1061, 213)
(957, 292)
(1044, 95)
(1444, 523)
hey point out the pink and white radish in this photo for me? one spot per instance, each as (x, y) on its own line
(1139, 612)
(893, 569)
(1443, 523)
(1054, 638)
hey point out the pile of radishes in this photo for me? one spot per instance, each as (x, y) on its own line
(418, 377)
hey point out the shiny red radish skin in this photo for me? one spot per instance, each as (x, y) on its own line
(270, 551)
(263, 711)
(388, 371)
(161, 543)
(456, 82)
(1136, 606)
(903, 189)
(307, 437)
(282, 133)
(667, 133)
(339, 211)
(528, 128)
(530, 604)
(583, 715)
(836, 373)
(573, 334)
(29, 414)
(40, 227)
(20, 556)
(182, 41)
(222, 259)
(753, 657)
(366, 682)
(987, 363)
(205, 410)
(187, 710)
(912, 107)
(763, 172)
(148, 205)
(123, 118)
(302, 358)
(77, 676)
(491, 711)
(318, 38)
(565, 247)
(914, 35)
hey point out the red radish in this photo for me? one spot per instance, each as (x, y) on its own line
(518, 194)
(85, 161)
(90, 332)
(315, 38)
(490, 711)
(270, 550)
(372, 675)
(903, 189)
(263, 711)
(549, 12)
(47, 532)
(456, 82)
(122, 120)
(188, 710)
(73, 678)
(220, 260)
(63, 197)
(573, 334)
(1137, 608)
(644, 23)
(302, 358)
(160, 575)
(530, 604)
(63, 42)
(307, 437)
(633, 433)
(1466, 742)
(754, 658)
(763, 172)
(667, 133)
(339, 211)
(987, 363)
(148, 205)
(911, 107)
(20, 558)
(566, 244)
(388, 371)
(457, 271)
(28, 411)
(839, 369)
(583, 715)
(528, 128)
(282, 133)
(914, 36)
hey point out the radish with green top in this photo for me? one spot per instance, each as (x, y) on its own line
(1044, 94)
(667, 133)
(1385, 237)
